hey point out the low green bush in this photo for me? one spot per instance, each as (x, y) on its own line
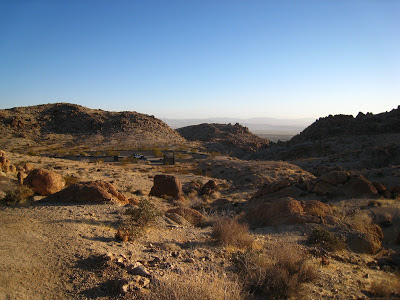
(324, 238)
(17, 196)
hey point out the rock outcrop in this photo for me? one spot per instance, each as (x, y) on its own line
(235, 139)
(287, 211)
(93, 192)
(191, 215)
(209, 188)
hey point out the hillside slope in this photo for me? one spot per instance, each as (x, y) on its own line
(69, 124)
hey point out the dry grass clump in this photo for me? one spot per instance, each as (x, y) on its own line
(69, 180)
(385, 288)
(360, 220)
(199, 286)
(324, 238)
(275, 273)
(139, 219)
(229, 232)
(17, 196)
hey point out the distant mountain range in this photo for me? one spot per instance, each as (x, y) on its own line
(255, 125)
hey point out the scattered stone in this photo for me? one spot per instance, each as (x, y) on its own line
(136, 282)
(379, 187)
(138, 269)
(134, 201)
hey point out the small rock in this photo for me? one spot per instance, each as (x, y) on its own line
(109, 256)
(137, 283)
(138, 269)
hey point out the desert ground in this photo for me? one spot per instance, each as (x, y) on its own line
(55, 249)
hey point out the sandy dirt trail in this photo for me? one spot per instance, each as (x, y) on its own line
(40, 248)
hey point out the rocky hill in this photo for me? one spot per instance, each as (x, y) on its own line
(64, 122)
(367, 141)
(345, 125)
(235, 139)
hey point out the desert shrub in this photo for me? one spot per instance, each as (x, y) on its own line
(139, 219)
(157, 152)
(129, 160)
(385, 288)
(97, 161)
(276, 273)
(229, 232)
(359, 221)
(112, 153)
(17, 196)
(324, 238)
(32, 153)
(73, 152)
(214, 154)
(61, 152)
(199, 286)
(70, 180)
(144, 214)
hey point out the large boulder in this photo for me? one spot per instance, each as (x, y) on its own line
(191, 215)
(271, 187)
(324, 189)
(44, 182)
(358, 186)
(166, 185)
(210, 187)
(363, 242)
(379, 187)
(92, 192)
(335, 177)
(288, 191)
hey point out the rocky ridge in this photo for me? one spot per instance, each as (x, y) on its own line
(367, 141)
(235, 140)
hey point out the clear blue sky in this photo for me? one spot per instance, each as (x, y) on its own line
(203, 58)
